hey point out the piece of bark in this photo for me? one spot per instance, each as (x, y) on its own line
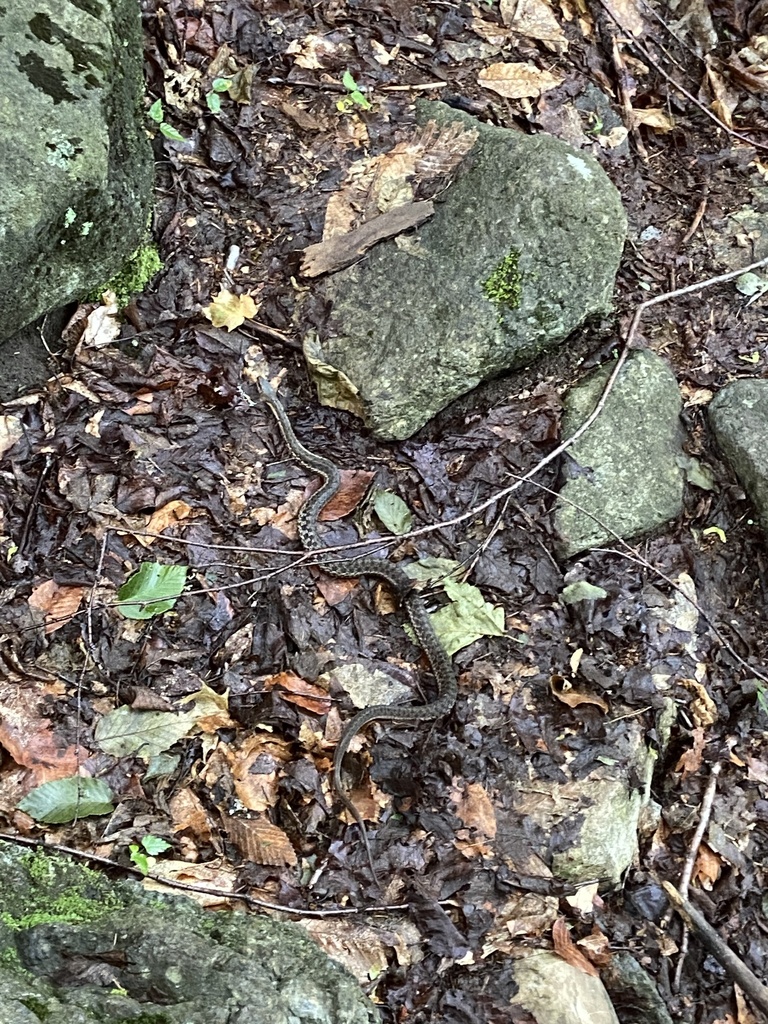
(342, 250)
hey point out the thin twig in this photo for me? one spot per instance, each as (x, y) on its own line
(705, 813)
(725, 956)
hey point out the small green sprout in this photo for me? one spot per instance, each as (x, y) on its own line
(213, 98)
(158, 116)
(355, 97)
(144, 856)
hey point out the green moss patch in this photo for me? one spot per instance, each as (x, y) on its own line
(505, 285)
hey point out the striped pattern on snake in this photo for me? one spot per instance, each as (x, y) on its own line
(398, 581)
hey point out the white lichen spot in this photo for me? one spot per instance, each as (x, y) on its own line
(579, 165)
(85, 229)
(69, 217)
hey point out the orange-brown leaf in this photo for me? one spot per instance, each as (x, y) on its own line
(58, 603)
(565, 948)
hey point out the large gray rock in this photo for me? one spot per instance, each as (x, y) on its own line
(75, 163)
(739, 418)
(532, 221)
(627, 469)
(78, 948)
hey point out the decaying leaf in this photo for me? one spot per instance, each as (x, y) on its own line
(261, 842)
(534, 19)
(144, 733)
(58, 603)
(298, 691)
(230, 311)
(518, 80)
(563, 689)
(566, 948)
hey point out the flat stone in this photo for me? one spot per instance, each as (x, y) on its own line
(413, 324)
(627, 469)
(75, 162)
(739, 418)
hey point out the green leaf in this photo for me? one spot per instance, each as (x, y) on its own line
(64, 800)
(213, 101)
(156, 111)
(392, 511)
(581, 591)
(161, 765)
(157, 585)
(468, 617)
(434, 570)
(348, 81)
(358, 98)
(146, 733)
(221, 84)
(155, 845)
(170, 133)
(139, 858)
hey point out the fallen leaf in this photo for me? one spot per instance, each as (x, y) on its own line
(59, 604)
(299, 692)
(230, 311)
(170, 514)
(516, 81)
(654, 117)
(64, 800)
(563, 689)
(261, 842)
(144, 733)
(565, 948)
(534, 19)
(707, 868)
(213, 874)
(10, 432)
(475, 808)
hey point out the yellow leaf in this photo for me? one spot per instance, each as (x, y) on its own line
(716, 530)
(228, 310)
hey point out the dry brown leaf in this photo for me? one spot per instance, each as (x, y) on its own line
(563, 689)
(214, 874)
(534, 19)
(189, 815)
(170, 514)
(707, 868)
(58, 604)
(299, 692)
(359, 947)
(353, 488)
(475, 808)
(744, 1013)
(26, 734)
(524, 914)
(211, 709)
(335, 589)
(725, 99)
(261, 842)
(565, 948)
(102, 326)
(654, 118)
(596, 947)
(230, 311)
(516, 81)
(690, 762)
(627, 14)
(257, 789)
(702, 708)
(10, 432)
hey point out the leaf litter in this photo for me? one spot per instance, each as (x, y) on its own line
(144, 433)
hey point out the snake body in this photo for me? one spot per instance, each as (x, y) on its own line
(399, 582)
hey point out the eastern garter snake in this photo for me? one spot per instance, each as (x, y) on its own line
(399, 582)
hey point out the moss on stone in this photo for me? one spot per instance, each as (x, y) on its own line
(73, 905)
(138, 269)
(505, 285)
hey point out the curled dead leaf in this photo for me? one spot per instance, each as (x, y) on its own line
(562, 688)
